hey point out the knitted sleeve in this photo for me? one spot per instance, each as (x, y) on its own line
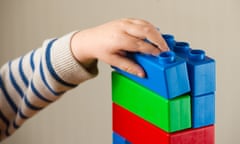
(33, 81)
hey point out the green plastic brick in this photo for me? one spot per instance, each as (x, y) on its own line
(169, 115)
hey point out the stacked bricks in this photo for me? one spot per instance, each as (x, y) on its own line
(173, 104)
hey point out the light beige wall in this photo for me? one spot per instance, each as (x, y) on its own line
(84, 114)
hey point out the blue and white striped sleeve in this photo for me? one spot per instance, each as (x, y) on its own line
(33, 81)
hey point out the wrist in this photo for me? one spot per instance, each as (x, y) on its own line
(79, 52)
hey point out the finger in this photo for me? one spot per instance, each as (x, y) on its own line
(133, 44)
(127, 65)
(138, 21)
(151, 34)
(146, 31)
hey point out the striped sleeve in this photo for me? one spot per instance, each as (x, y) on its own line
(35, 80)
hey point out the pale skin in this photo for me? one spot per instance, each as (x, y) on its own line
(109, 43)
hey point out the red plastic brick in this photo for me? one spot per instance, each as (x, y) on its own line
(138, 131)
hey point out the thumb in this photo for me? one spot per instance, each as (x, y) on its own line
(127, 65)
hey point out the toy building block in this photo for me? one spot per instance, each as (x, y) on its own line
(169, 115)
(138, 131)
(166, 74)
(201, 68)
(203, 135)
(117, 139)
(203, 110)
(201, 71)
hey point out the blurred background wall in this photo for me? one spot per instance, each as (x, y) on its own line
(83, 115)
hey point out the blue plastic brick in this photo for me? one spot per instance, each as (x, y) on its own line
(201, 70)
(203, 110)
(166, 74)
(117, 139)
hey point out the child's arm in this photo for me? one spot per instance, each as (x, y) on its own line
(31, 82)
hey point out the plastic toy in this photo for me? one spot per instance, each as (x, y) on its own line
(138, 131)
(169, 115)
(174, 104)
(203, 110)
(166, 74)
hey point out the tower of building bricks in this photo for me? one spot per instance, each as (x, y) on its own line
(173, 104)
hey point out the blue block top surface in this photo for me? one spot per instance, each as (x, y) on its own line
(163, 61)
(198, 57)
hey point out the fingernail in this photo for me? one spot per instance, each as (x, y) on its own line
(140, 74)
(156, 52)
(166, 49)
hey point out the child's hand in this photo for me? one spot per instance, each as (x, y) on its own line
(110, 41)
